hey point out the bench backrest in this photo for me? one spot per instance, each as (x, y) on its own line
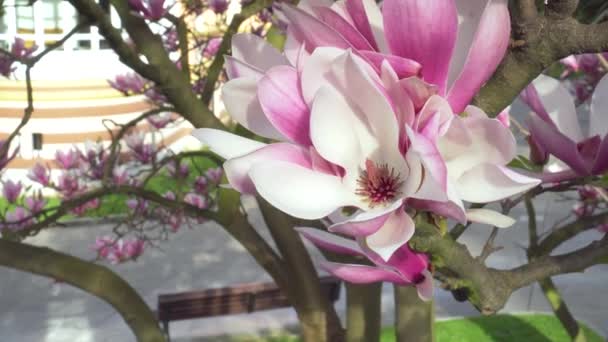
(238, 299)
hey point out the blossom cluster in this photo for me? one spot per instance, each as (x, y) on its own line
(363, 116)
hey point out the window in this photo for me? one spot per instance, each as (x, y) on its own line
(45, 22)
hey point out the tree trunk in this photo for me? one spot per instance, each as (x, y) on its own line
(363, 312)
(414, 318)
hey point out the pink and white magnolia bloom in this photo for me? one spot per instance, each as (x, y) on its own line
(404, 267)
(455, 44)
(350, 137)
(554, 128)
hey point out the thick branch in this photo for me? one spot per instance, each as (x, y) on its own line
(561, 8)
(565, 233)
(539, 43)
(548, 266)
(94, 279)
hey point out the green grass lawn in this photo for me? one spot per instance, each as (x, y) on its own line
(498, 328)
(115, 204)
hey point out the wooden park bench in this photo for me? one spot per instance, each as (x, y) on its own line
(244, 298)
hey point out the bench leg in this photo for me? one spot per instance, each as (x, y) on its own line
(166, 330)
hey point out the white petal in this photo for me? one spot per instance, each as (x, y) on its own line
(241, 101)
(598, 121)
(490, 217)
(256, 51)
(395, 232)
(560, 105)
(487, 183)
(474, 141)
(226, 144)
(426, 288)
(300, 192)
(333, 131)
(316, 71)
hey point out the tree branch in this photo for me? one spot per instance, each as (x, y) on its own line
(568, 231)
(548, 266)
(538, 44)
(94, 279)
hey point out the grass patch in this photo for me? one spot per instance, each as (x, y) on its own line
(115, 204)
(498, 328)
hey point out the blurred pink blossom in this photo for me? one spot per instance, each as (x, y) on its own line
(40, 174)
(11, 190)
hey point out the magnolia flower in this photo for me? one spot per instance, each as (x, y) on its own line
(68, 184)
(196, 200)
(554, 128)
(35, 204)
(214, 174)
(201, 185)
(18, 52)
(455, 44)
(40, 174)
(212, 47)
(11, 190)
(68, 159)
(404, 267)
(178, 170)
(138, 206)
(129, 84)
(375, 151)
(118, 251)
(17, 219)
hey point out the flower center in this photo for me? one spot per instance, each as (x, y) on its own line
(378, 184)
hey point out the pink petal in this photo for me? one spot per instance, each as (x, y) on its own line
(364, 223)
(418, 90)
(330, 242)
(430, 157)
(312, 31)
(558, 145)
(345, 29)
(409, 263)
(530, 97)
(402, 66)
(424, 31)
(237, 169)
(281, 100)
(361, 274)
(447, 209)
(356, 10)
(487, 51)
